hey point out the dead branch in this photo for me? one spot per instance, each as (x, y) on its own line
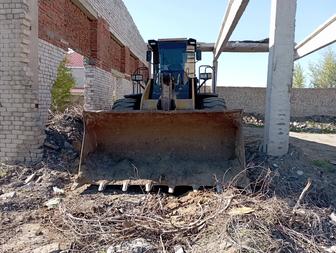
(303, 194)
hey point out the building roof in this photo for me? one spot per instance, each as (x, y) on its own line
(75, 60)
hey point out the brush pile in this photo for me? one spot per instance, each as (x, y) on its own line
(196, 222)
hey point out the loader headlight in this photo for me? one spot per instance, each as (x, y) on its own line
(137, 78)
(192, 42)
(205, 76)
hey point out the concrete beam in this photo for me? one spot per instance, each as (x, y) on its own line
(280, 74)
(233, 13)
(206, 47)
(246, 47)
(237, 47)
(321, 37)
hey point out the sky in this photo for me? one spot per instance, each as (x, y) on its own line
(201, 20)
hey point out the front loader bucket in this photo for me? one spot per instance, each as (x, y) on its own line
(176, 148)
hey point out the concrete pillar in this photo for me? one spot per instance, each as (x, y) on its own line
(214, 78)
(279, 80)
(21, 130)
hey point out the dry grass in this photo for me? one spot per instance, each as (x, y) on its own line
(275, 227)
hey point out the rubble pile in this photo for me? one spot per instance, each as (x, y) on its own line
(64, 133)
(315, 124)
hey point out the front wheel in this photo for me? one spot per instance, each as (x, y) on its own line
(213, 103)
(125, 104)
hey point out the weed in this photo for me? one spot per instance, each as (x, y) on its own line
(324, 164)
(3, 173)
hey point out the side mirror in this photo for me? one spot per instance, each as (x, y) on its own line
(137, 78)
(198, 55)
(149, 56)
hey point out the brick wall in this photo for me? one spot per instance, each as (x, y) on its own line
(123, 86)
(102, 88)
(21, 132)
(116, 54)
(103, 40)
(64, 25)
(121, 25)
(50, 57)
(304, 102)
(109, 40)
(98, 89)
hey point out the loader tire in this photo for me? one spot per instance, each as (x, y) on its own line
(125, 104)
(125, 100)
(213, 103)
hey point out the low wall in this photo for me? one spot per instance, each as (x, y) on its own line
(304, 102)
(50, 58)
(102, 88)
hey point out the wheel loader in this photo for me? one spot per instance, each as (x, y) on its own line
(170, 134)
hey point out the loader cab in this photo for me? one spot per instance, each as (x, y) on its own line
(173, 60)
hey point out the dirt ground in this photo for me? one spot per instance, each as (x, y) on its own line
(310, 156)
(40, 213)
(316, 146)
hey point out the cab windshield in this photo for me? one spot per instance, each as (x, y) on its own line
(172, 56)
(172, 61)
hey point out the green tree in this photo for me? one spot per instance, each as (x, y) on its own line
(299, 78)
(60, 92)
(323, 74)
